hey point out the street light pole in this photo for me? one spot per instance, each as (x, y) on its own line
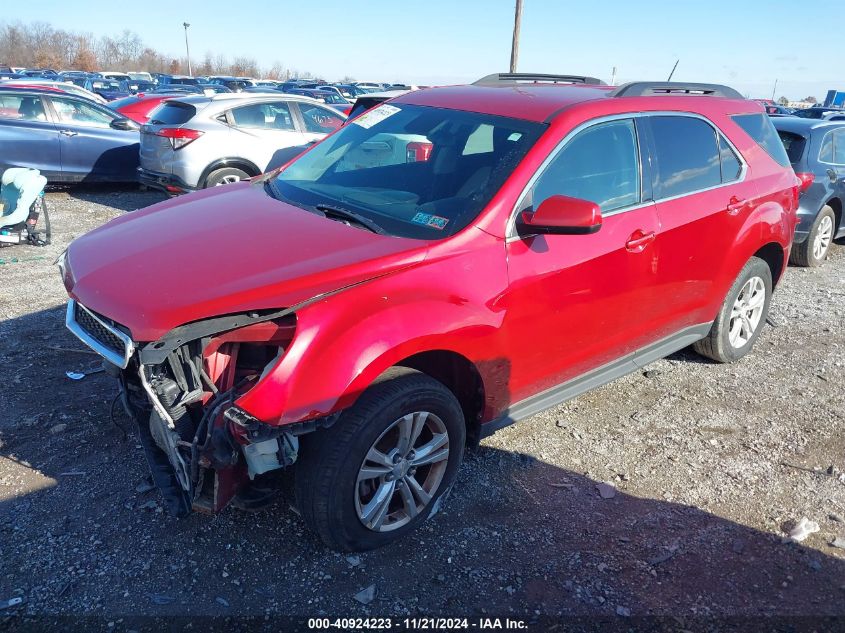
(517, 19)
(187, 48)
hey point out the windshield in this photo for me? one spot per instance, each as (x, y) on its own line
(107, 84)
(416, 171)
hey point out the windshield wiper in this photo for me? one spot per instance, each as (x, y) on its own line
(331, 210)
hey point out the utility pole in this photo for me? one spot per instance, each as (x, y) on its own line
(774, 90)
(187, 48)
(613, 77)
(517, 18)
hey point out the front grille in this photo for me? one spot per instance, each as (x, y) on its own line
(97, 330)
(101, 336)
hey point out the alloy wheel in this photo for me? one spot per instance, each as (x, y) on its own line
(228, 180)
(402, 471)
(747, 312)
(824, 234)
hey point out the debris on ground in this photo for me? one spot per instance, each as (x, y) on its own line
(367, 595)
(606, 490)
(801, 531)
(353, 559)
(838, 542)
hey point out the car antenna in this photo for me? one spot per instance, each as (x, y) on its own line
(673, 69)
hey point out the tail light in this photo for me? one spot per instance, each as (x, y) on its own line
(417, 152)
(806, 181)
(179, 136)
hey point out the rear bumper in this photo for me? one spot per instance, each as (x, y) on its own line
(165, 182)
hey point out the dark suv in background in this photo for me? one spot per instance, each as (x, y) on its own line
(816, 150)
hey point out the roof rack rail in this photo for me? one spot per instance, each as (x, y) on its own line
(498, 78)
(651, 88)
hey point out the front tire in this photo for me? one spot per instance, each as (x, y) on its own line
(813, 251)
(381, 469)
(741, 317)
(225, 176)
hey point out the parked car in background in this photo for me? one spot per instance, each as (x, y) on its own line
(136, 86)
(776, 109)
(193, 142)
(62, 86)
(819, 112)
(141, 76)
(370, 324)
(371, 100)
(46, 73)
(199, 89)
(138, 107)
(115, 75)
(816, 150)
(67, 138)
(108, 89)
(329, 98)
(232, 83)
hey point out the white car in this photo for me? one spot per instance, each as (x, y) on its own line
(195, 141)
(140, 76)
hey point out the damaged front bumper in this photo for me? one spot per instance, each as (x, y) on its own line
(182, 391)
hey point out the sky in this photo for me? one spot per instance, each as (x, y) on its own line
(747, 44)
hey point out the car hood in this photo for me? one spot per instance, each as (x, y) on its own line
(222, 251)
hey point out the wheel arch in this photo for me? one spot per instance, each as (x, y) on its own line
(237, 163)
(461, 376)
(835, 204)
(772, 254)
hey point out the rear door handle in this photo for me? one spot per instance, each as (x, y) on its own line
(68, 133)
(639, 240)
(736, 205)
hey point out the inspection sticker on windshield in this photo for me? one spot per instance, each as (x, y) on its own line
(434, 221)
(376, 115)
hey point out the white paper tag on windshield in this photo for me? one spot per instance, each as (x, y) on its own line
(376, 115)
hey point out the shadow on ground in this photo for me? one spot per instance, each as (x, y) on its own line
(517, 537)
(125, 197)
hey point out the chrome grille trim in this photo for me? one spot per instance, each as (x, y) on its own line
(114, 356)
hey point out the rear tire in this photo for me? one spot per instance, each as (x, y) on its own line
(225, 176)
(344, 471)
(741, 317)
(813, 251)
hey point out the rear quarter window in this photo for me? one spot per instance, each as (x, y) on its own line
(793, 144)
(172, 113)
(760, 128)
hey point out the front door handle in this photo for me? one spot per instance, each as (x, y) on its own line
(639, 240)
(68, 133)
(736, 205)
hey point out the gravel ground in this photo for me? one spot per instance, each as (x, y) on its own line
(706, 466)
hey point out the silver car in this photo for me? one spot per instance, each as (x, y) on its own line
(196, 141)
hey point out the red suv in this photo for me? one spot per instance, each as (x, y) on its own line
(363, 322)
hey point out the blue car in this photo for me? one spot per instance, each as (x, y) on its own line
(816, 149)
(108, 89)
(66, 138)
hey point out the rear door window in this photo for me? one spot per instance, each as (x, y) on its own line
(172, 113)
(78, 113)
(760, 128)
(826, 152)
(269, 116)
(599, 164)
(687, 154)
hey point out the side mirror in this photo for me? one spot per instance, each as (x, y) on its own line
(561, 215)
(124, 124)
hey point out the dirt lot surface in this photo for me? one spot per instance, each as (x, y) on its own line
(706, 466)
